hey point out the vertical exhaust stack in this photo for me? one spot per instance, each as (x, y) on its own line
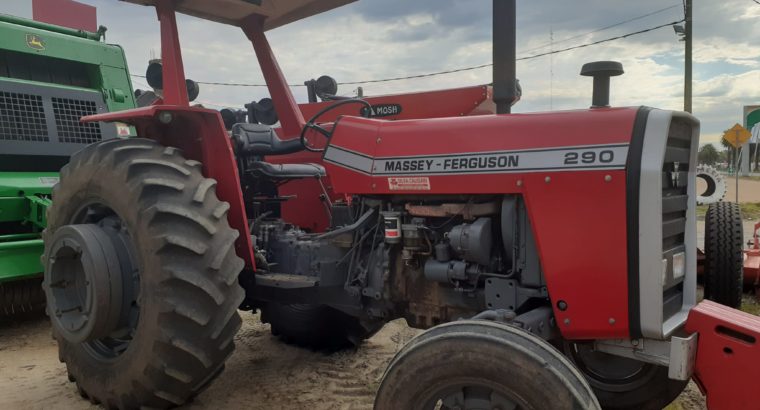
(504, 55)
(601, 71)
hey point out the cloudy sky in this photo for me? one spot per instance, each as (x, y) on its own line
(373, 39)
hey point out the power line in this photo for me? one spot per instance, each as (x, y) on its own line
(459, 70)
(606, 40)
(564, 40)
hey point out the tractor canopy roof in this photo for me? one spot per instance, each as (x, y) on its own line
(277, 12)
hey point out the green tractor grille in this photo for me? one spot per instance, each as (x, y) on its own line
(22, 117)
(37, 120)
(67, 113)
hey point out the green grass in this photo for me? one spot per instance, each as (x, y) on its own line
(750, 305)
(750, 210)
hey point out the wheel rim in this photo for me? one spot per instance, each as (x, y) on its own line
(472, 395)
(609, 372)
(94, 280)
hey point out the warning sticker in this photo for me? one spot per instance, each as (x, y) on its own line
(123, 130)
(409, 184)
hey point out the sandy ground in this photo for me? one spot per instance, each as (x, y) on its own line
(263, 373)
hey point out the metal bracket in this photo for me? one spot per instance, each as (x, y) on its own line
(677, 354)
(37, 214)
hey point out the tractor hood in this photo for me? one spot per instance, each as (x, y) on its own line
(233, 12)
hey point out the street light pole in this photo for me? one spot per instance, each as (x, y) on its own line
(687, 58)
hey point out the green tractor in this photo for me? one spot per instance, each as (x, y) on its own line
(50, 76)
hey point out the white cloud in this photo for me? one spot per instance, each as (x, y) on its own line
(386, 38)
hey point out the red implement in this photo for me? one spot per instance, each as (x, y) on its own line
(752, 261)
(727, 355)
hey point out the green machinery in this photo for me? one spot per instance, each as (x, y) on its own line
(50, 76)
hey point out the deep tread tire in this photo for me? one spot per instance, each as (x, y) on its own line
(189, 291)
(723, 269)
(715, 185)
(474, 352)
(21, 297)
(315, 326)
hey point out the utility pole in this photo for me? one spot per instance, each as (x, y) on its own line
(687, 58)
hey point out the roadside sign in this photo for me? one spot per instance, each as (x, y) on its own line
(737, 136)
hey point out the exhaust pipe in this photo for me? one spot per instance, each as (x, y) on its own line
(504, 55)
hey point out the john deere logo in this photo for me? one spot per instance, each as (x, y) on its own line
(34, 41)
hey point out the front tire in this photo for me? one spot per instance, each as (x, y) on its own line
(624, 384)
(724, 237)
(176, 255)
(473, 364)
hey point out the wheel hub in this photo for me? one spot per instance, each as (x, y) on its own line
(84, 282)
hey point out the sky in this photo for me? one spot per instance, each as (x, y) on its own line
(373, 39)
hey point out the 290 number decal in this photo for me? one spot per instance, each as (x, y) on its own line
(589, 157)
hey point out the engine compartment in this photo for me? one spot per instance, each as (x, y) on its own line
(427, 260)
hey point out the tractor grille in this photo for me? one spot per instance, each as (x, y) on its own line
(22, 117)
(675, 200)
(67, 113)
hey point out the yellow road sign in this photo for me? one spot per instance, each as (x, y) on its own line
(737, 135)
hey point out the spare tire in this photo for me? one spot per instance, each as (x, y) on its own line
(723, 269)
(716, 185)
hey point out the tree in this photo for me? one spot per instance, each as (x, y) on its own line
(729, 152)
(708, 154)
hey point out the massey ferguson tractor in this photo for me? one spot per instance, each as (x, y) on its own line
(551, 256)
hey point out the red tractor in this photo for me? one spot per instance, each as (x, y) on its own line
(552, 256)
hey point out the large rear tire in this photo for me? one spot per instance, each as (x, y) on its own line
(176, 250)
(624, 384)
(723, 269)
(481, 365)
(316, 326)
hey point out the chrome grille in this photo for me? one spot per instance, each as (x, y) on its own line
(675, 200)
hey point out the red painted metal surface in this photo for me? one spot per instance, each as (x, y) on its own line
(728, 353)
(454, 102)
(285, 105)
(66, 13)
(752, 261)
(561, 208)
(175, 89)
(200, 134)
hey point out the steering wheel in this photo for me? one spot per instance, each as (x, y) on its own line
(312, 123)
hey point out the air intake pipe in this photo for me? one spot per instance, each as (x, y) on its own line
(505, 89)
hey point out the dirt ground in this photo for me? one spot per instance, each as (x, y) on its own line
(263, 373)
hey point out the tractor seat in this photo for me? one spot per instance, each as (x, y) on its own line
(260, 140)
(287, 171)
